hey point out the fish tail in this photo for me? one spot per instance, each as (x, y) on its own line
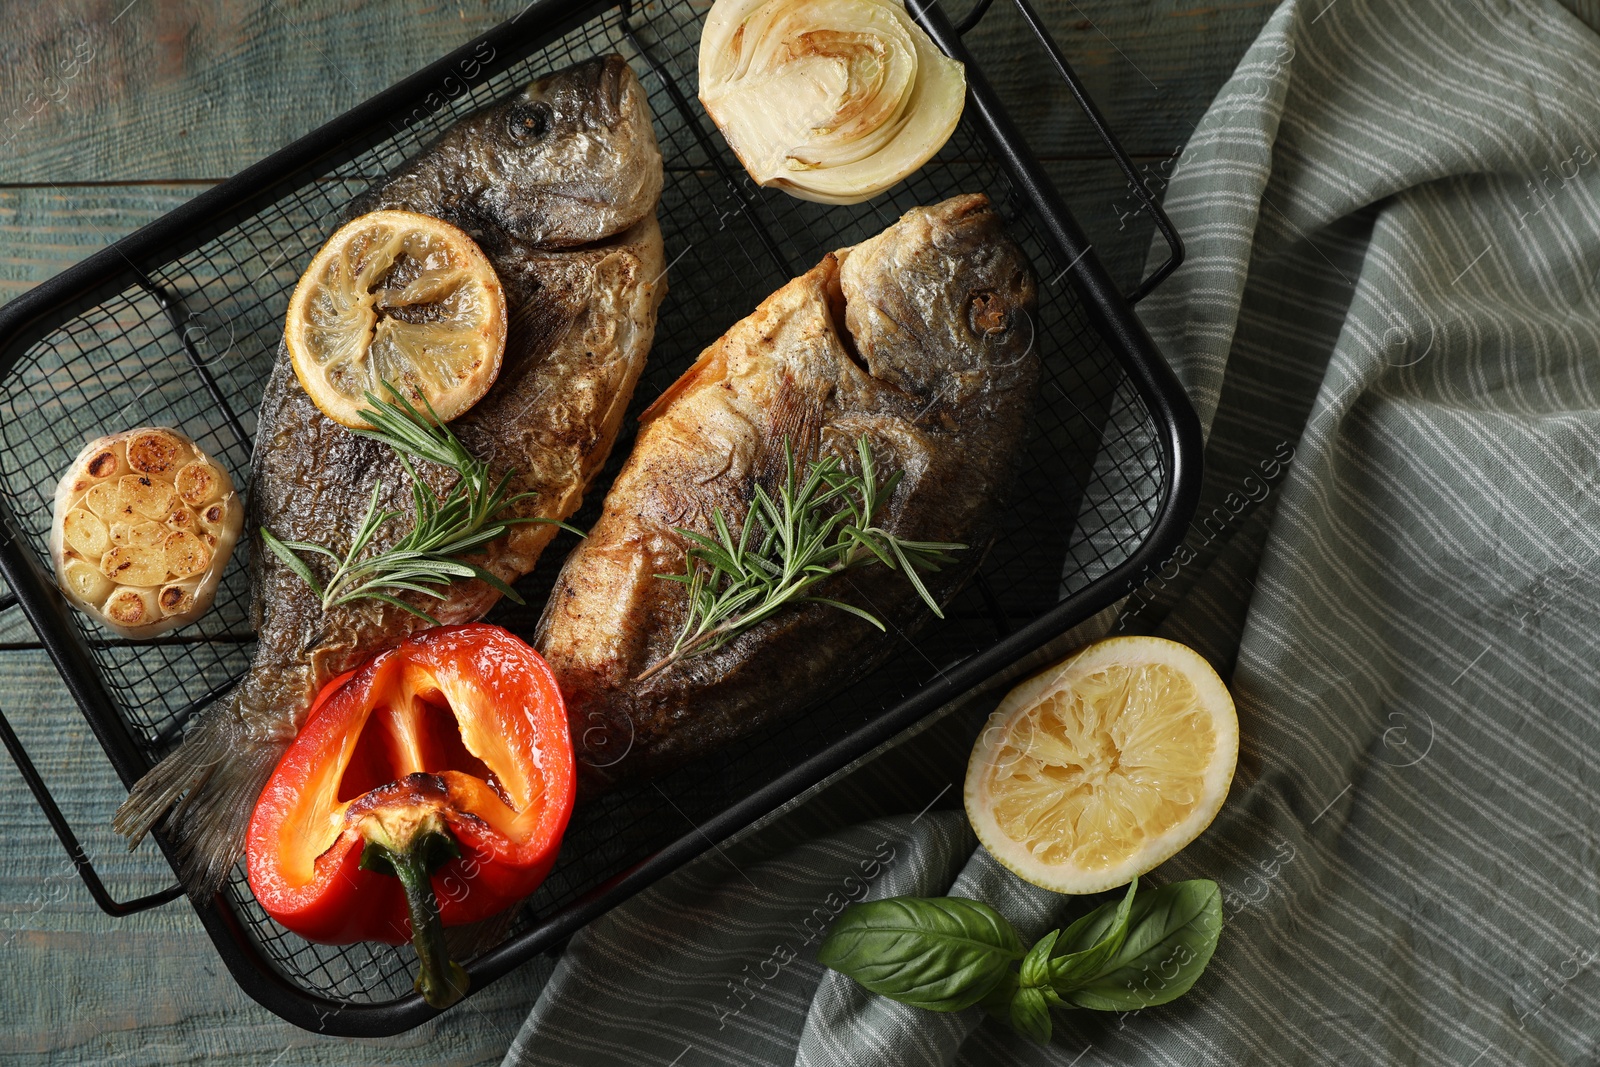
(205, 790)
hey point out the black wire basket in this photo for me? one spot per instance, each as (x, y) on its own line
(179, 323)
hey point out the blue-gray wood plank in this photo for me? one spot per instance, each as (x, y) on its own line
(112, 113)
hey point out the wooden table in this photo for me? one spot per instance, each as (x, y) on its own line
(163, 100)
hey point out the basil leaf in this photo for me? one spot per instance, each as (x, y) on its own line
(997, 1002)
(1030, 1014)
(1036, 964)
(938, 953)
(1172, 933)
(1091, 942)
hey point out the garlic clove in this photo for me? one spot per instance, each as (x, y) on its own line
(131, 607)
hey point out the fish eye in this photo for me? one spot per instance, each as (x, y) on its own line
(528, 122)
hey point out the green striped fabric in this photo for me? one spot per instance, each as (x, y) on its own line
(1389, 324)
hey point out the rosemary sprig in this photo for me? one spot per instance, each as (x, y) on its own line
(816, 528)
(428, 558)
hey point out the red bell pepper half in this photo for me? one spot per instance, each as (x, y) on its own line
(429, 788)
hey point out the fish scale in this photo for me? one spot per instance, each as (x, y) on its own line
(918, 339)
(558, 184)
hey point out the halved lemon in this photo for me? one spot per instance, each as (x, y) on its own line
(1104, 765)
(402, 298)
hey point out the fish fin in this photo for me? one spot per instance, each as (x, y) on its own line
(712, 366)
(794, 424)
(209, 785)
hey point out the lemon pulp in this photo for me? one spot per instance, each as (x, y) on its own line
(1103, 766)
(401, 298)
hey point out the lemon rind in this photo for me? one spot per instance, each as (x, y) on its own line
(448, 404)
(1218, 778)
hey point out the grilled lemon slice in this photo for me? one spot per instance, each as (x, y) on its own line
(402, 298)
(1104, 765)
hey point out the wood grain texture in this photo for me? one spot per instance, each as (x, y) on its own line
(162, 90)
(96, 95)
(82, 988)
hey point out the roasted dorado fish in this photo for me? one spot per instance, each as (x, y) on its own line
(558, 184)
(920, 339)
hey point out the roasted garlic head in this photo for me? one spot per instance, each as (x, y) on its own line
(144, 524)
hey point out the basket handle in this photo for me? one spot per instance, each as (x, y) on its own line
(69, 840)
(58, 822)
(1147, 199)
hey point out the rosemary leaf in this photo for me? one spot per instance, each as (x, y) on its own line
(911, 573)
(813, 527)
(428, 558)
(567, 526)
(290, 560)
(397, 583)
(402, 605)
(851, 608)
(307, 546)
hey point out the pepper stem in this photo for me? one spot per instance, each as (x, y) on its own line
(441, 981)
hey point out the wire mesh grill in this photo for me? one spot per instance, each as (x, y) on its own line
(190, 343)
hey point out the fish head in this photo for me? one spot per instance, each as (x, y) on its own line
(940, 305)
(574, 156)
(570, 159)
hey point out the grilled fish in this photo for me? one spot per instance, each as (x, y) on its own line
(921, 339)
(558, 184)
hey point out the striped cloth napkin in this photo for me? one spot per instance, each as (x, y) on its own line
(1389, 324)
